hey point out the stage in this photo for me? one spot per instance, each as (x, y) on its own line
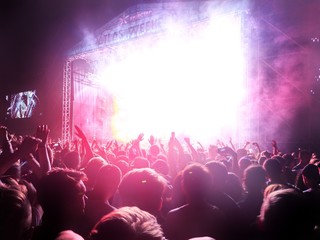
(201, 69)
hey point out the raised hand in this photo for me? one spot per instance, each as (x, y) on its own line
(79, 132)
(5, 140)
(116, 146)
(29, 145)
(43, 133)
(4, 135)
(151, 140)
(231, 143)
(172, 140)
(85, 144)
(220, 143)
(194, 153)
(274, 143)
(140, 137)
(201, 146)
(275, 149)
(109, 144)
(137, 141)
(187, 140)
(246, 144)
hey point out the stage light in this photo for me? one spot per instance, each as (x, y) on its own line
(191, 80)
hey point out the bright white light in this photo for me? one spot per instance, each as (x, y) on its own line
(191, 81)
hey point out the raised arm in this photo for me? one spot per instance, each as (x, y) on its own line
(258, 147)
(5, 141)
(135, 150)
(6, 159)
(275, 149)
(194, 153)
(231, 144)
(151, 140)
(28, 146)
(44, 160)
(246, 145)
(234, 157)
(173, 156)
(89, 153)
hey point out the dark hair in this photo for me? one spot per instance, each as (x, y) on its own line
(311, 171)
(196, 181)
(15, 210)
(108, 180)
(140, 162)
(219, 172)
(72, 160)
(127, 223)
(254, 177)
(161, 166)
(59, 188)
(142, 187)
(285, 215)
(272, 167)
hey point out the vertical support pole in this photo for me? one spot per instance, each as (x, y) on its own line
(66, 102)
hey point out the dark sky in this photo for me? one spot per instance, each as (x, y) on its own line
(35, 34)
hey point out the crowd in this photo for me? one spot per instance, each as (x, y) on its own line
(174, 191)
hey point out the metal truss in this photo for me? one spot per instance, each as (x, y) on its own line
(66, 102)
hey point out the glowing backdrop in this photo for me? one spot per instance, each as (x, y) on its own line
(193, 85)
(190, 78)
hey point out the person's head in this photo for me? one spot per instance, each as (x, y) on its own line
(254, 178)
(68, 235)
(127, 223)
(162, 157)
(273, 168)
(154, 150)
(201, 238)
(108, 180)
(122, 158)
(92, 169)
(121, 153)
(72, 160)
(212, 152)
(219, 173)
(61, 194)
(178, 197)
(111, 157)
(281, 160)
(285, 215)
(310, 175)
(14, 171)
(143, 187)
(123, 166)
(241, 152)
(233, 186)
(273, 187)
(140, 162)
(161, 166)
(244, 162)
(266, 154)
(15, 211)
(289, 160)
(304, 156)
(261, 160)
(196, 182)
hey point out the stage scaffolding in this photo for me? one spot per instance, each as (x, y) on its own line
(142, 20)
